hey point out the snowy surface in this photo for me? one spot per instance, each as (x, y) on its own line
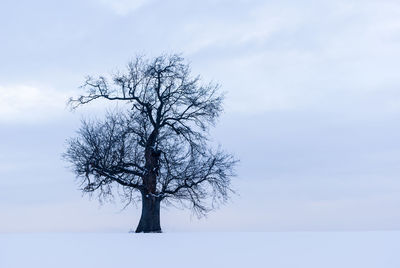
(275, 250)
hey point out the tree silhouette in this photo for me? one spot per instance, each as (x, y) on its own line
(156, 150)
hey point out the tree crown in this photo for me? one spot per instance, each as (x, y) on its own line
(159, 145)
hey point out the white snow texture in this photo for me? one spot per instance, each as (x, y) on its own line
(268, 249)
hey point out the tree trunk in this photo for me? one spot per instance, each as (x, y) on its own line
(150, 219)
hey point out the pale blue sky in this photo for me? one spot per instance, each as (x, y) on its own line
(312, 107)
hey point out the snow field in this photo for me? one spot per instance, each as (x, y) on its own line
(267, 249)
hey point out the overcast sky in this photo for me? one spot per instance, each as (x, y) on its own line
(312, 107)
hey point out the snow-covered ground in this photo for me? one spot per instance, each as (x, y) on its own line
(268, 249)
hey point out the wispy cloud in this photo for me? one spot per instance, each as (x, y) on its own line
(24, 103)
(124, 7)
(300, 56)
(256, 27)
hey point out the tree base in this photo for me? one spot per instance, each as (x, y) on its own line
(150, 232)
(150, 219)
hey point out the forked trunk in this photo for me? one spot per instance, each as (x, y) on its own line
(150, 219)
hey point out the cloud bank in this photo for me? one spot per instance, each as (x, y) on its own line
(25, 103)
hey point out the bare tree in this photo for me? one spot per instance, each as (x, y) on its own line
(157, 150)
